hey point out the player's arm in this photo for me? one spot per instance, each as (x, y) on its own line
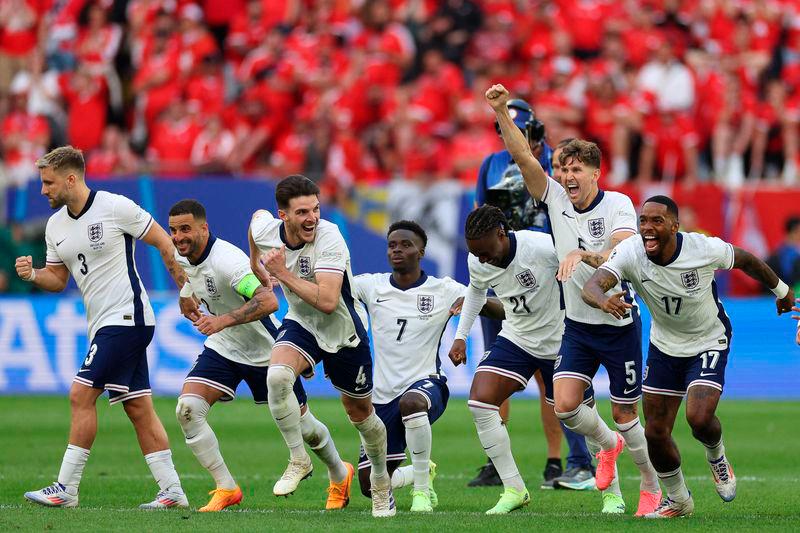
(594, 293)
(532, 172)
(51, 278)
(474, 301)
(261, 303)
(570, 263)
(760, 271)
(323, 295)
(160, 240)
(493, 308)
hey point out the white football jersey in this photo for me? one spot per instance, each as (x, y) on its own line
(214, 279)
(407, 327)
(97, 248)
(589, 229)
(528, 289)
(328, 253)
(688, 317)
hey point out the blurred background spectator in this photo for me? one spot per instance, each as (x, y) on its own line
(785, 260)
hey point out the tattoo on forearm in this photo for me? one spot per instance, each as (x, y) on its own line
(594, 259)
(607, 281)
(247, 313)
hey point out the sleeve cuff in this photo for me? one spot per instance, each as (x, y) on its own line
(616, 274)
(146, 229)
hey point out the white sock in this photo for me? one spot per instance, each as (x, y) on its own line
(587, 422)
(72, 465)
(163, 470)
(418, 437)
(318, 438)
(402, 476)
(285, 409)
(594, 448)
(635, 441)
(716, 452)
(191, 412)
(675, 485)
(373, 438)
(496, 442)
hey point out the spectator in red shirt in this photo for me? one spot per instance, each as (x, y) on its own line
(19, 26)
(23, 137)
(775, 141)
(196, 42)
(172, 139)
(87, 101)
(98, 40)
(247, 30)
(113, 157)
(669, 148)
(207, 86)
(733, 132)
(156, 83)
(212, 147)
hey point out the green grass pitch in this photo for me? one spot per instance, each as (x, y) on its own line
(761, 439)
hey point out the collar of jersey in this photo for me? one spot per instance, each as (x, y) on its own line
(679, 238)
(512, 250)
(594, 203)
(423, 277)
(204, 255)
(282, 232)
(85, 207)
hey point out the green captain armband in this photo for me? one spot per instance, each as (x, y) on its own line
(247, 287)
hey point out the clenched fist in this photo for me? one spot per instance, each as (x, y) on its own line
(24, 266)
(497, 96)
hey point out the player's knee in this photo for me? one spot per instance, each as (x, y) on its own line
(357, 409)
(191, 412)
(699, 420)
(412, 402)
(280, 380)
(565, 407)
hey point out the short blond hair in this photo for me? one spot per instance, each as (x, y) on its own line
(63, 158)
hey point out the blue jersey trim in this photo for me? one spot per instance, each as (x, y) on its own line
(512, 250)
(595, 202)
(282, 232)
(721, 315)
(349, 302)
(422, 279)
(206, 251)
(136, 285)
(86, 206)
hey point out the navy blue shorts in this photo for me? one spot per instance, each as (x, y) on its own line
(509, 360)
(672, 376)
(117, 362)
(349, 369)
(618, 348)
(218, 372)
(434, 390)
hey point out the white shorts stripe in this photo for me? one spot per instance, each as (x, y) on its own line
(707, 383)
(352, 394)
(212, 384)
(573, 375)
(663, 392)
(481, 405)
(117, 388)
(624, 401)
(308, 374)
(503, 372)
(414, 416)
(83, 381)
(130, 396)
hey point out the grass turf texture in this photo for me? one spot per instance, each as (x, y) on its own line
(759, 436)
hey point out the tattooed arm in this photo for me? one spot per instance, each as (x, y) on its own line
(261, 305)
(594, 294)
(760, 271)
(594, 259)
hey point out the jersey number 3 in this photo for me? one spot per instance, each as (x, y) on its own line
(84, 266)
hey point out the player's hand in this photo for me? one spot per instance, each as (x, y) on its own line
(24, 266)
(784, 304)
(569, 265)
(209, 324)
(615, 305)
(458, 352)
(274, 261)
(497, 96)
(190, 307)
(455, 309)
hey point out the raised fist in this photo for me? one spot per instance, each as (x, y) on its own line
(497, 96)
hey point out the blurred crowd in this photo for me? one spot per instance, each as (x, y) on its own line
(355, 91)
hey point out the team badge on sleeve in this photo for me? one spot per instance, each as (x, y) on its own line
(597, 227)
(95, 231)
(211, 287)
(425, 303)
(690, 279)
(305, 265)
(526, 279)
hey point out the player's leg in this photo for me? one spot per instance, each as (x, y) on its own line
(552, 433)
(389, 414)
(664, 387)
(706, 380)
(212, 378)
(487, 474)
(400, 478)
(622, 358)
(82, 432)
(421, 405)
(350, 372)
(292, 355)
(317, 436)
